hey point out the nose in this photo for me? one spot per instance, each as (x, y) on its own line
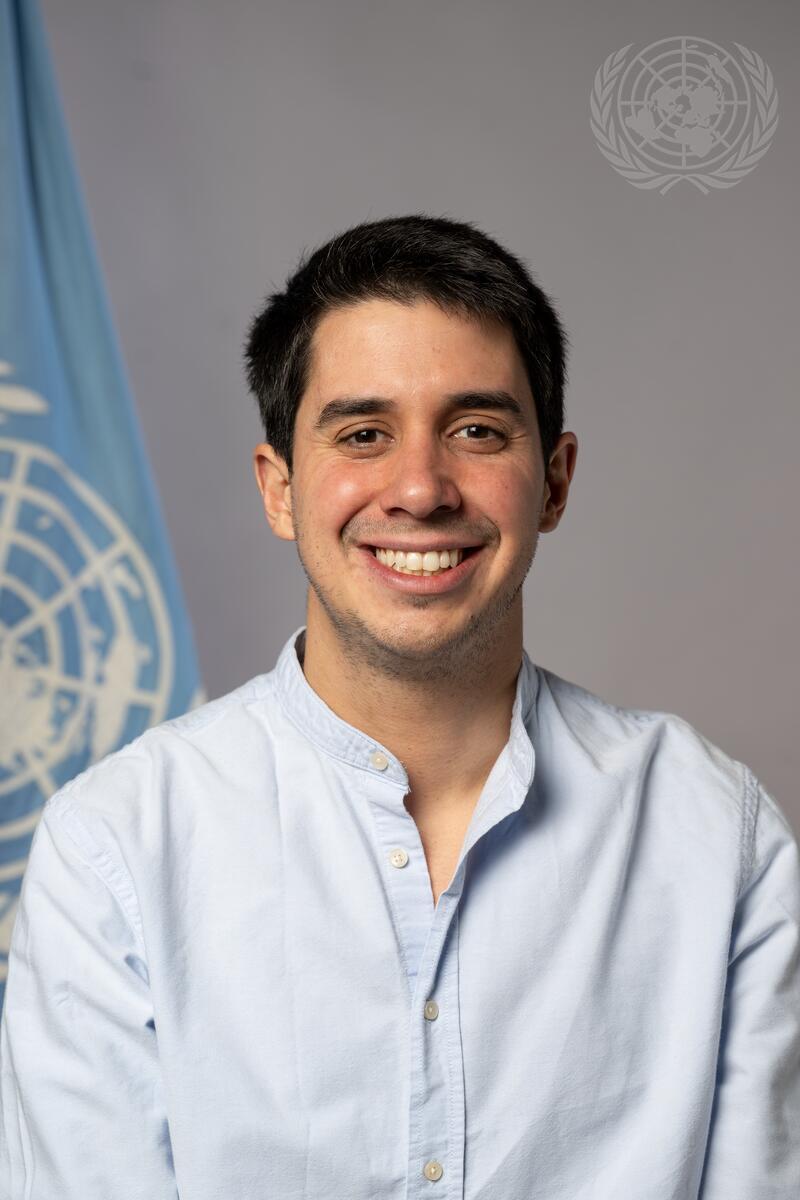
(420, 479)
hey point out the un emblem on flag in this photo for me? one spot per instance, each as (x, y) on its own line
(684, 108)
(86, 650)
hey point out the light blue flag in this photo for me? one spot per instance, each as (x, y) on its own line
(95, 641)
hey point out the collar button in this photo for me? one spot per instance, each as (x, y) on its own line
(378, 760)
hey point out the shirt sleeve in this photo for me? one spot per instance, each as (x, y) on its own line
(82, 1115)
(753, 1150)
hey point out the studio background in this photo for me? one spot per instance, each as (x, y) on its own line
(217, 141)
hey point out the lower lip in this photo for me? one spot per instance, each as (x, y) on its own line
(422, 585)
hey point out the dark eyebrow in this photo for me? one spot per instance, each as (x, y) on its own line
(371, 406)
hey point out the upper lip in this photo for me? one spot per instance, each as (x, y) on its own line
(421, 547)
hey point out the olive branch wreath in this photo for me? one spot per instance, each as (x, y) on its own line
(632, 166)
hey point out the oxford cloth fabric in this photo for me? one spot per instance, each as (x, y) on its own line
(228, 979)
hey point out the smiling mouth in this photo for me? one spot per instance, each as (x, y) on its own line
(422, 563)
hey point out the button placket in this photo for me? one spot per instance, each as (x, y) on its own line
(422, 933)
(436, 1125)
(405, 872)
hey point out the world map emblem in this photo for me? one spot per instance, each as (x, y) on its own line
(684, 109)
(86, 648)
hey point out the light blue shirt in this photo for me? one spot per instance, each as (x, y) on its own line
(228, 979)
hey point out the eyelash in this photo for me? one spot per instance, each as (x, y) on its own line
(346, 441)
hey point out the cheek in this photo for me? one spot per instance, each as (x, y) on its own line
(340, 493)
(507, 497)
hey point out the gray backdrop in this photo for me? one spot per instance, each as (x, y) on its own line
(216, 140)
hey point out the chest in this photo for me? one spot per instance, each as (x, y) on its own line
(565, 999)
(442, 836)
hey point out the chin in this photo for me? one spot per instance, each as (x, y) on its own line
(421, 644)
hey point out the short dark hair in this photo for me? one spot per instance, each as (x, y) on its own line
(452, 263)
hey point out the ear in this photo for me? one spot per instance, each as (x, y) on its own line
(558, 478)
(272, 477)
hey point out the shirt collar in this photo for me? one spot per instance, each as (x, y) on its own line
(306, 709)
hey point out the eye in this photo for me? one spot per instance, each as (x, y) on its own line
(357, 439)
(484, 429)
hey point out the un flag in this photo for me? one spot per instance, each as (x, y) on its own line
(95, 642)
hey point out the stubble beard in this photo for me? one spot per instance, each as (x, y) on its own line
(462, 658)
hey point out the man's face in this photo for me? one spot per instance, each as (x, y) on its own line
(433, 457)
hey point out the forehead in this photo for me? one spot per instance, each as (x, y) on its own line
(386, 348)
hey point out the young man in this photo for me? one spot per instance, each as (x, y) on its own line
(408, 915)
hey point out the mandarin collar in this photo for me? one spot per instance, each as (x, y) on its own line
(306, 709)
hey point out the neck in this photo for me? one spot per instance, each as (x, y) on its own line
(447, 730)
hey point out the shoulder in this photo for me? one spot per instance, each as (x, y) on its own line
(607, 728)
(218, 739)
(182, 780)
(656, 759)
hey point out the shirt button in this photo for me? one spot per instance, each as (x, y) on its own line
(398, 857)
(433, 1170)
(431, 1010)
(379, 760)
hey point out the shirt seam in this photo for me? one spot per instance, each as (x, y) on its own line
(64, 814)
(751, 804)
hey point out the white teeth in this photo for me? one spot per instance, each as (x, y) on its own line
(413, 562)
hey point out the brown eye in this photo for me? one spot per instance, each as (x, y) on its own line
(356, 439)
(484, 429)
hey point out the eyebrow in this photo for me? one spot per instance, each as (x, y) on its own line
(371, 406)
